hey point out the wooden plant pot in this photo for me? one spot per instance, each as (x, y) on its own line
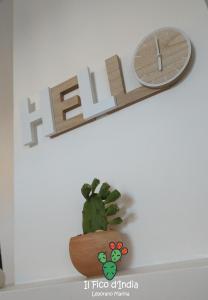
(84, 249)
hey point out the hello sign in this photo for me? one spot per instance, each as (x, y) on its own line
(159, 61)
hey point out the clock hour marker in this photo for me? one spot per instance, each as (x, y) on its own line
(159, 59)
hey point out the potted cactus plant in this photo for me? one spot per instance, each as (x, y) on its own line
(98, 214)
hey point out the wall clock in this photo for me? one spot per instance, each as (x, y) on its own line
(162, 57)
(160, 60)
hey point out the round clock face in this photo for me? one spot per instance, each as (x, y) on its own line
(162, 57)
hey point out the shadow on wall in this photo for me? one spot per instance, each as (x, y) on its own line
(126, 202)
(39, 121)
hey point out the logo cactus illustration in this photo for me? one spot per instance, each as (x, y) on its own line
(110, 267)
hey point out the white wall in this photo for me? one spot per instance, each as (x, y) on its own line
(6, 138)
(155, 152)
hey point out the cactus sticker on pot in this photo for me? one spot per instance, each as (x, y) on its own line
(110, 267)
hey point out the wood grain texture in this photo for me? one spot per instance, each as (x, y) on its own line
(61, 107)
(115, 76)
(168, 47)
(117, 88)
(117, 85)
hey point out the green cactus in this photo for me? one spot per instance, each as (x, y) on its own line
(110, 267)
(102, 257)
(116, 255)
(109, 270)
(98, 207)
